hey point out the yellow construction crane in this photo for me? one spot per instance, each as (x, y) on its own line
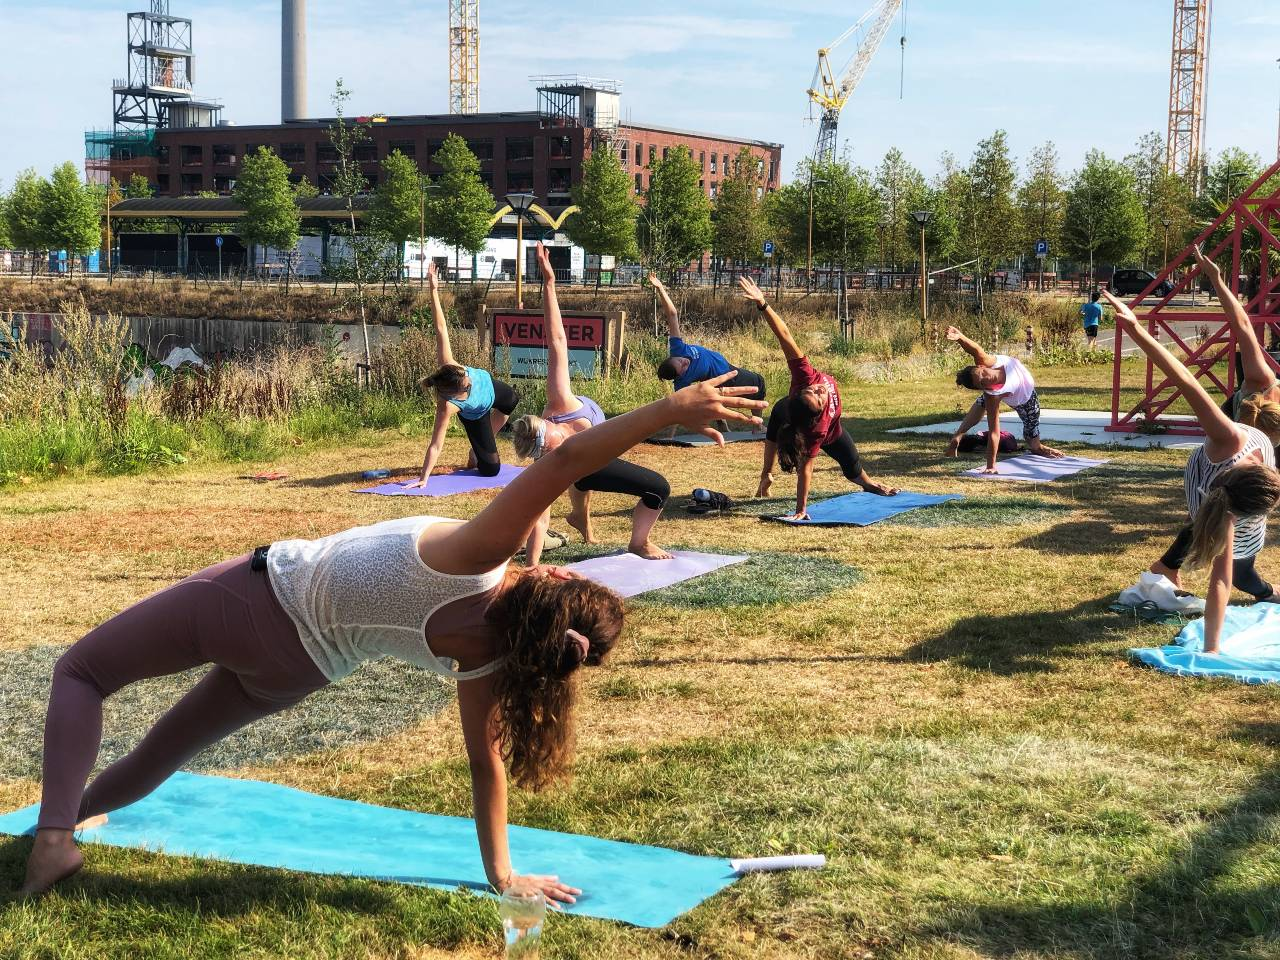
(829, 94)
(464, 56)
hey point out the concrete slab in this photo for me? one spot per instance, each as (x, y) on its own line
(1074, 426)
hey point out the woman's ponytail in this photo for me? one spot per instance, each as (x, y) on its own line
(1209, 529)
(1264, 414)
(1251, 490)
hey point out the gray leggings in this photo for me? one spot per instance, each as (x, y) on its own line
(225, 615)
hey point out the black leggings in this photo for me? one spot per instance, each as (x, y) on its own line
(749, 378)
(480, 432)
(1243, 575)
(619, 476)
(843, 451)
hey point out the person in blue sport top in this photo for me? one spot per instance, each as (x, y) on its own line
(483, 402)
(691, 364)
(1091, 313)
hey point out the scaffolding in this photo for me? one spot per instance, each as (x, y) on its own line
(574, 101)
(464, 56)
(1191, 34)
(108, 153)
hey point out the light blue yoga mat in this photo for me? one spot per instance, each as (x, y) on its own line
(863, 509)
(262, 824)
(1249, 650)
(447, 484)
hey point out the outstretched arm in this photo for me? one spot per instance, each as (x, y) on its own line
(1258, 373)
(1222, 439)
(478, 709)
(559, 392)
(443, 412)
(980, 356)
(499, 530)
(668, 307)
(1218, 594)
(444, 352)
(752, 293)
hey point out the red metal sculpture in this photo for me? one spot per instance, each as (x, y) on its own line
(1256, 212)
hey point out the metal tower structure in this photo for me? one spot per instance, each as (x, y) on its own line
(1191, 32)
(160, 67)
(464, 56)
(830, 94)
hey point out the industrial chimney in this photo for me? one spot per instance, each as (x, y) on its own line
(293, 60)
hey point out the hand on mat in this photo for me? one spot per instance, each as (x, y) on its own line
(953, 448)
(433, 276)
(953, 333)
(554, 572)
(557, 893)
(698, 404)
(544, 264)
(750, 291)
(419, 484)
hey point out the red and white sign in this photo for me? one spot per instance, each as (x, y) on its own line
(522, 330)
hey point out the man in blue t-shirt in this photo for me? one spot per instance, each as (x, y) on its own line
(1091, 313)
(693, 364)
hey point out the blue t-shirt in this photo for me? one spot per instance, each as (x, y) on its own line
(703, 363)
(1092, 313)
(479, 398)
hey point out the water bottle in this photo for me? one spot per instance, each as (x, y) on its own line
(522, 910)
(702, 495)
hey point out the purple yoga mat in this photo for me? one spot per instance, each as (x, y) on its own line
(630, 575)
(447, 484)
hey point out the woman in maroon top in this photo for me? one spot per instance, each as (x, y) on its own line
(806, 422)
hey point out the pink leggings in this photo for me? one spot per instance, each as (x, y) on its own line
(226, 615)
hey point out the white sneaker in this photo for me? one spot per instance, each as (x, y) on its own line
(1159, 589)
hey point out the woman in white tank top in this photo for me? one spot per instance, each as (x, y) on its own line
(424, 589)
(1231, 485)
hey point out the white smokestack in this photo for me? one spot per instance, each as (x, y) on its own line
(293, 59)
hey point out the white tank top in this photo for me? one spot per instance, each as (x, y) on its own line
(365, 593)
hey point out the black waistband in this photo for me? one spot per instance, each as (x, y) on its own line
(258, 562)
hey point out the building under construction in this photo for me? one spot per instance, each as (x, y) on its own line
(183, 147)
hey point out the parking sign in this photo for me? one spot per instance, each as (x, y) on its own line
(1042, 248)
(768, 248)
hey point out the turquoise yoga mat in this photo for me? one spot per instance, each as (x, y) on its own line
(262, 824)
(1249, 649)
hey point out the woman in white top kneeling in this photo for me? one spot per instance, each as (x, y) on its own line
(1002, 379)
(286, 620)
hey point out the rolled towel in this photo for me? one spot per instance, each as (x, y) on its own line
(796, 861)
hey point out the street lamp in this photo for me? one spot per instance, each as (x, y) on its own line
(520, 204)
(922, 218)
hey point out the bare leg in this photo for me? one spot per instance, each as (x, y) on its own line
(766, 470)
(642, 522)
(580, 513)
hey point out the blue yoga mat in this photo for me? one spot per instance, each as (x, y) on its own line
(863, 509)
(447, 484)
(1249, 650)
(262, 824)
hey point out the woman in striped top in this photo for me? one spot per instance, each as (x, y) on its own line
(1231, 485)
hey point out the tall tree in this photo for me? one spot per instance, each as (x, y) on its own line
(900, 188)
(606, 224)
(71, 213)
(674, 228)
(737, 214)
(1042, 200)
(5, 242)
(271, 217)
(987, 203)
(348, 183)
(1103, 222)
(24, 215)
(398, 210)
(462, 206)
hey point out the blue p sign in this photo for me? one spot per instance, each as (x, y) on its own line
(768, 248)
(1042, 248)
(217, 241)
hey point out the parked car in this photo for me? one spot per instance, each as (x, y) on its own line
(1129, 282)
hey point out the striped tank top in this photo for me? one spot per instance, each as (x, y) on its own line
(1250, 533)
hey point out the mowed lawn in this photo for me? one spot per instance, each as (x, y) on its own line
(959, 731)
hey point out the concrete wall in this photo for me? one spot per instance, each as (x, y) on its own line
(212, 336)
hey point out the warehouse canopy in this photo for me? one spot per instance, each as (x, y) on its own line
(226, 208)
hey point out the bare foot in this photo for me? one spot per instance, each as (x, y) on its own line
(1174, 576)
(88, 823)
(1050, 452)
(766, 484)
(880, 490)
(471, 460)
(650, 551)
(583, 525)
(54, 857)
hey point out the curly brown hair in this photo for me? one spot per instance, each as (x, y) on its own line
(537, 685)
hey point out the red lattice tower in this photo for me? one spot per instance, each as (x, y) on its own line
(1255, 213)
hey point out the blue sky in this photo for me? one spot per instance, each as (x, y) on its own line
(1080, 73)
